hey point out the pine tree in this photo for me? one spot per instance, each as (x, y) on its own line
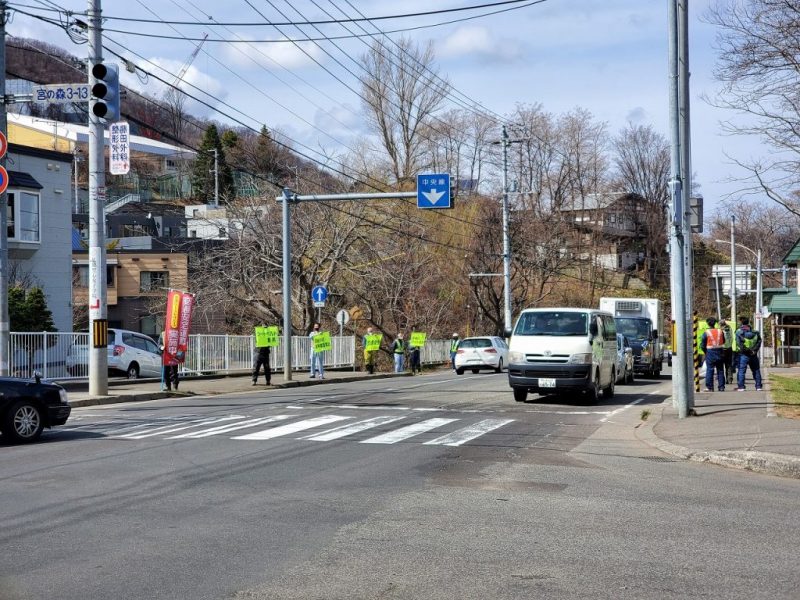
(203, 174)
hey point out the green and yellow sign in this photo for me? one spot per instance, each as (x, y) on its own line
(417, 339)
(373, 342)
(266, 336)
(322, 341)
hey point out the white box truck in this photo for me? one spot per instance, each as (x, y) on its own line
(641, 320)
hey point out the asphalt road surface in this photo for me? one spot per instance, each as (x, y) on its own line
(431, 487)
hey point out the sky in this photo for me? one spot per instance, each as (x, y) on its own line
(606, 56)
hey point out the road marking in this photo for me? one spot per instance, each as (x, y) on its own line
(172, 428)
(345, 430)
(230, 427)
(404, 433)
(291, 428)
(621, 408)
(466, 434)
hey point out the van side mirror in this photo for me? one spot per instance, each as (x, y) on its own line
(593, 329)
(655, 334)
(507, 333)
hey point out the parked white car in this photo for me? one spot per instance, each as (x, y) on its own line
(129, 352)
(476, 353)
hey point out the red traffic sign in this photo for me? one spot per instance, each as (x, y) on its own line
(3, 179)
(3, 144)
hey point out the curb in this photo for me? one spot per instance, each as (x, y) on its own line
(139, 397)
(768, 463)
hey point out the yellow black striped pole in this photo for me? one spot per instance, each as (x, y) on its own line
(696, 354)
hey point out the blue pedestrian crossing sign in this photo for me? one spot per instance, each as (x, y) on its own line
(433, 190)
(319, 293)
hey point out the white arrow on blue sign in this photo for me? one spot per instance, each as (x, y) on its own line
(433, 190)
(319, 293)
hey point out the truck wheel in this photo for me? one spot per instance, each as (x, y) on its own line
(520, 394)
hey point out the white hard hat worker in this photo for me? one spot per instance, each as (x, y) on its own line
(455, 335)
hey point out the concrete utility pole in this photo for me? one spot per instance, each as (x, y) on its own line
(506, 242)
(677, 241)
(216, 178)
(5, 325)
(686, 171)
(98, 315)
(734, 314)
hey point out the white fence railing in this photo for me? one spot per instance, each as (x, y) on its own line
(65, 355)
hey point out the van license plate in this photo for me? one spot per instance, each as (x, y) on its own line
(547, 383)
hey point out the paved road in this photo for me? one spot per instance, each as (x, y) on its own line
(430, 487)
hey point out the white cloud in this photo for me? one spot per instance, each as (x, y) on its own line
(272, 55)
(478, 42)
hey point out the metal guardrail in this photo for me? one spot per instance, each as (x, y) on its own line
(65, 355)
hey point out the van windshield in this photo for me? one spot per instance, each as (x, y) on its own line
(552, 323)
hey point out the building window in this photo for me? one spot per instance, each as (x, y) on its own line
(222, 232)
(192, 233)
(149, 325)
(80, 276)
(153, 281)
(23, 216)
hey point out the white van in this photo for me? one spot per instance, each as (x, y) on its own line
(556, 350)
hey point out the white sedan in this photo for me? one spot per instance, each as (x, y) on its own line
(476, 353)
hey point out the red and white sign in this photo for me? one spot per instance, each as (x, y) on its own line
(3, 179)
(3, 144)
(176, 328)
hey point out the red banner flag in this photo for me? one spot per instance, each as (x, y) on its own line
(176, 328)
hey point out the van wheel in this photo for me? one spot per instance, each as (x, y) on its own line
(475, 371)
(520, 394)
(459, 371)
(609, 391)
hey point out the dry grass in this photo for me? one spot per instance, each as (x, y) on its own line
(786, 395)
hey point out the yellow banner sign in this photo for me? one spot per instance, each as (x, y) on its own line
(373, 342)
(266, 336)
(322, 341)
(417, 339)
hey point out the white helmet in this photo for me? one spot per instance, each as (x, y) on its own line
(455, 335)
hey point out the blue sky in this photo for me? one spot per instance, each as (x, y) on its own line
(607, 56)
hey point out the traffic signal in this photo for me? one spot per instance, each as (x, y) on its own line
(106, 91)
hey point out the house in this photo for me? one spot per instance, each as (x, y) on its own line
(137, 284)
(609, 228)
(39, 225)
(784, 311)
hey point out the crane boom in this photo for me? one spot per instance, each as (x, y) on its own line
(189, 61)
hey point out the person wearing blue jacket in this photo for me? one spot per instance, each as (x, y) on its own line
(749, 343)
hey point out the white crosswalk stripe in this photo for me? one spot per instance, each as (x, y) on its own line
(229, 427)
(456, 438)
(164, 429)
(398, 435)
(290, 428)
(351, 428)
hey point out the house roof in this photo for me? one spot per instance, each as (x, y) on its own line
(785, 303)
(80, 134)
(793, 256)
(18, 179)
(596, 201)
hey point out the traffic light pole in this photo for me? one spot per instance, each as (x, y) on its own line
(98, 316)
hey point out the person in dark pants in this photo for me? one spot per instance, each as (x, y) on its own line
(749, 342)
(712, 343)
(262, 359)
(727, 351)
(169, 375)
(415, 363)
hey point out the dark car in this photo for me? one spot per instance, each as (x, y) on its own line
(29, 405)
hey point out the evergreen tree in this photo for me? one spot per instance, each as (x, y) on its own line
(203, 174)
(28, 311)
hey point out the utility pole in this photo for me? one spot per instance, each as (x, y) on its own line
(5, 325)
(506, 243)
(98, 316)
(216, 178)
(759, 303)
(287, 286)
(734, 314)
(682, 343)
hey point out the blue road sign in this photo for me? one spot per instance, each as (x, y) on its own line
(319, 293)
(433, 190)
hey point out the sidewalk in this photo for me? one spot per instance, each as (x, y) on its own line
(732, 429)
(150, 389)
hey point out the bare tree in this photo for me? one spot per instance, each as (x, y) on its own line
(399, 101)
(642, 162)
(759, 67)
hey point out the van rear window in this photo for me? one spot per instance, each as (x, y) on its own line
(552, 323)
